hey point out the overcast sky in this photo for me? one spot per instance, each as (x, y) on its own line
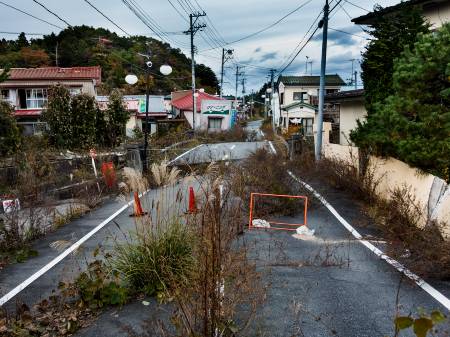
(233, 19)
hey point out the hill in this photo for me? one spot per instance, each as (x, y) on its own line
(118, 56)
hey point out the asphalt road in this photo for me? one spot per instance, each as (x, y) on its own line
(329, 286)
(207, 153)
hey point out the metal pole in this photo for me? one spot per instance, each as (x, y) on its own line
(237, 84)
(318, 148)
(147, 89)
(221, 73)
(194, 100)
(356, 80)
(272, 86)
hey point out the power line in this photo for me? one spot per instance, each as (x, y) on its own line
(106, 17)
(357, 6)
(53, 13)
(17, 33)
(31, 15)
(271, 25)
(344, 32)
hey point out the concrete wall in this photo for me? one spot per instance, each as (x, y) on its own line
(438, 15)
(431, 193)
(289, 92)
(350, 112)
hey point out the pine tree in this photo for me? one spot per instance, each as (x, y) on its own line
(413, 124)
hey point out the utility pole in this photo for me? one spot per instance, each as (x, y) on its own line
(56, 54)
(194, 28)
(227, 54)
(243, 90)
(324, 25)
(310, 63)
(272, 86)
(238, 73)
(356, 80)
(251, 104)
(306, 68)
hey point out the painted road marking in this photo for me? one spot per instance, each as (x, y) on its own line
(64, 254)
(272, 147)
(438, 296)
(73, 247)
(232, 148)
(184, 153)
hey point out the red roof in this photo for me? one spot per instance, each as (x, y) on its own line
(28, 112)
(55, 73)
(185, 103)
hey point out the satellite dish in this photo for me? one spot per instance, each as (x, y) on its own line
(131, 79)
(165, 69)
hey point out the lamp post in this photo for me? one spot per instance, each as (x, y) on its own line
(165, 69)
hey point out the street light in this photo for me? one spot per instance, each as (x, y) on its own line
(165, 69)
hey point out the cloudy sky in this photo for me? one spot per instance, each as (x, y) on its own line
(227, 21)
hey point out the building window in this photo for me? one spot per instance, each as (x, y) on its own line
(36, 98)
(300, 96)
(282, 98)
(330, 91)
(74, 91)
(4, 94)
(214, 123)
(307, 124)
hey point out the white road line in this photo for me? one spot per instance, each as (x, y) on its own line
(73, 247)
(64, 254)
(272, 147)
(438, 296)
(232, 148)
(184, 153)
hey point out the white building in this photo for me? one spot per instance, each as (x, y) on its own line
(436, 12)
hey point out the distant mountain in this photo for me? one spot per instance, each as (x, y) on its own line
(118, 56)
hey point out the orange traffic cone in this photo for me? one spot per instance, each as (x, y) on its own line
(137, 206)
(192, 204)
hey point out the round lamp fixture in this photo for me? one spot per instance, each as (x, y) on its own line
(131, 79)
(165, 69)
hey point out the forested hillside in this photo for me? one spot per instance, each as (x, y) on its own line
(118, 56)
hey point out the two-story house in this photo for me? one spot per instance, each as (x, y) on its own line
(298, 96)
(27, 90)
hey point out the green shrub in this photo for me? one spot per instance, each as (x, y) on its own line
(9, 132)
(153, 261)
(98, 288)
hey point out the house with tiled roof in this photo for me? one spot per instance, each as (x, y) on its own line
(27, 90)
(298, 97)
(436, 12)
(213, 113)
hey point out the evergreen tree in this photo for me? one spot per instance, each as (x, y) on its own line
(58, 115)
(413, 124)
(84, 115)
(390, 36)
(9, 132)
(117, 117)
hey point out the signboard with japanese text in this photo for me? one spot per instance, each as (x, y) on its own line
(216, 107)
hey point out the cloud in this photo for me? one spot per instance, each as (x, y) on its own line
(268, 56)
(340, 38)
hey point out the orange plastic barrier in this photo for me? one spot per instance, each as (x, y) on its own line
(252, 206)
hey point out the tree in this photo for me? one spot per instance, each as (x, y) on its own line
(84, 114)
(390, 36)
(117, 117)
(413, 124)
(58, 115)
(207, 78)
(9, 132)
(34, 57)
